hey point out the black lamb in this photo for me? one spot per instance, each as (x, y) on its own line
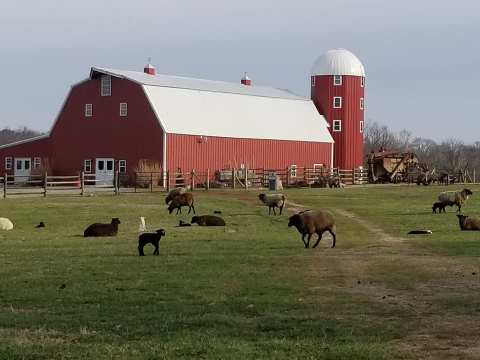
(150, 238)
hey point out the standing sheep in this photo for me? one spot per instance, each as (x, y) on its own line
(440, 206)
(208, 220)
(468, 223)
(458, 198)
(273, 201)
(181, 200)
(5, 224)
(150, 238)
(99, 229)
(173, 193)
(314, 221)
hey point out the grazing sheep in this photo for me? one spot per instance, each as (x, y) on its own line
(5, 224)
(208, 220)
(468, 223)
(99, 229)
(150, 238)
(458, 198)
(173, 193)
(273, 201)
(181, 200)
(313, 221)
(440, 206)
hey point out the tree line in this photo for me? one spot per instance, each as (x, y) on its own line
(8, 135)
(452, 155)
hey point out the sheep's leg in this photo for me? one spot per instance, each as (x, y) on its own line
(318, 240)
(304, 242)
(140, 250)
(281, 209)
(308, 240)
(334, 237)
(156, 252)
(274, 212)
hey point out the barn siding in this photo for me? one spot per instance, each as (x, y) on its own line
(348, 152)
(36, 148)
(191, 152)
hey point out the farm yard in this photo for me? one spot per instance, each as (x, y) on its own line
(248, 290)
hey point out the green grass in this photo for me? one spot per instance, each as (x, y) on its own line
(247, 291)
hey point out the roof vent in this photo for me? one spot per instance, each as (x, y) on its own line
(149, 68)
(246, 80)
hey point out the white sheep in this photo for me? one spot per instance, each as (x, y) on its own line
(5, 224)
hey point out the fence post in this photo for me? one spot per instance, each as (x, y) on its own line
(233, 178)
(117, 182)
(192, 175)
(45, 182)
(246, 178)
(5, 181)
(151, 182)
(208, 180)
(135, 182)
(168, 181)
(474, 176)
(353, 176)
(288, 175)
(82, 183)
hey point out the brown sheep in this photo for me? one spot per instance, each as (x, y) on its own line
(468, 223)
(458, 198)
(314, 221)
(173, 193)
(181, 200)
(208, 220)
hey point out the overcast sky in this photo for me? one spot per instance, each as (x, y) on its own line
(422, 58)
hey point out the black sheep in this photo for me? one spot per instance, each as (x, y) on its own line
(98, 229)
(150, 238)
(440, 205)
(208, 220)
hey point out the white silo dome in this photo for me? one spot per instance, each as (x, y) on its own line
(338, 62)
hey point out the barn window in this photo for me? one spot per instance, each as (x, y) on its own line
(337, 80)
(337, 125)
(87, 165)
(122, 166)
(337, 102)
(362, 104)
(361, 126)
(106, 85)
(88, 110)
(8, 163)
(362, 81)
(123, 109)
(37, 162)
(313, 81)
(293, 170)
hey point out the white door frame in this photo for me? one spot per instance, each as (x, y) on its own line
(22, 167)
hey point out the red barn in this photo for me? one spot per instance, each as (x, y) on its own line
(338, 88)
(116, 118)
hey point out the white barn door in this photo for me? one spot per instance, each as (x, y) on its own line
(104, 171)
(23, 168)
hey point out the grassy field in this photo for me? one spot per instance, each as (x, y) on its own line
(247, 291)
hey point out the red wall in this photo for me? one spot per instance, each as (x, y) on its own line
(348, 151)
(106, 134)
(38, 148)
(189, 152)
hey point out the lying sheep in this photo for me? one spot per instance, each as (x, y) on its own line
(458, 198)
(313, 221)
(468, 223)
(273, 201)
(150, 238)
(99, 229)
(439, 205)
(173, 193)
(5, 224)
(208, 220)
(181, 200)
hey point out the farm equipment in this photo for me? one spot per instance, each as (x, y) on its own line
(392, 166)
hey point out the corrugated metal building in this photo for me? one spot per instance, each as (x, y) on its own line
(116, 118)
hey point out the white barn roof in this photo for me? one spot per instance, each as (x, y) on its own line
(216, 108)
(338, 62)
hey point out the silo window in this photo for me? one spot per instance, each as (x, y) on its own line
(313, 81)
(361, 126)
(362, 82)
(88, 110)
(337, 102)
(123, 109)
(362, 104)
(337, 80)
(337, 125)
(106, 85)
